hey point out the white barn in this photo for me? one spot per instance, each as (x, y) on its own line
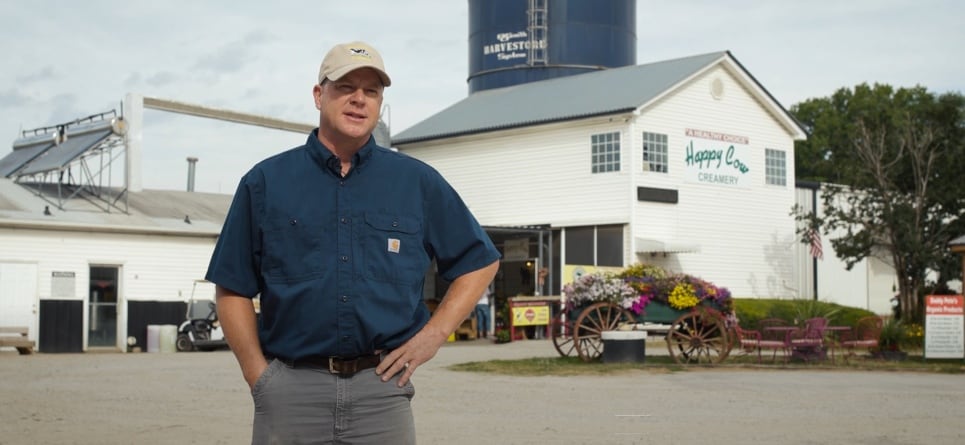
(687, 164)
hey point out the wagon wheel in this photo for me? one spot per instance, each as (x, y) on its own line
(588, 327)
(562, 334)
(698, 338)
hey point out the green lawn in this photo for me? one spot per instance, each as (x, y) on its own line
(569, 366)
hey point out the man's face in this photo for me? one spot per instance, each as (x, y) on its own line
(349, 106)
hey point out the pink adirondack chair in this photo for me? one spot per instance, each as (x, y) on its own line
(752, 341)
(808, 342)
(865, 335)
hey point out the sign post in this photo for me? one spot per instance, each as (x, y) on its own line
(944, 326)
(530, 311)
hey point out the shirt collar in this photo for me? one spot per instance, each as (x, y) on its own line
(324, 157)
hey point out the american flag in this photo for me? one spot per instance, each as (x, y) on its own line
(816, 250)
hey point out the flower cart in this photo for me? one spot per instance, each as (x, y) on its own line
(692, 313)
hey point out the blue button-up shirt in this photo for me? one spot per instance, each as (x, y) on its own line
(340, 262)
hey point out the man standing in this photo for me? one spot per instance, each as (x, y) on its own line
(482, 314)
(335, 236)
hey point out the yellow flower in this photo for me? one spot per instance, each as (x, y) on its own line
(683, 297)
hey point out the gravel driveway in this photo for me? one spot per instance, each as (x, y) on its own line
(188, 398)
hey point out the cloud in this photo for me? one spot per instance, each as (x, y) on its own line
(45, 73)
(233, 57)
(162, 78)
(65, 109)
(13, 99)
(133, 79)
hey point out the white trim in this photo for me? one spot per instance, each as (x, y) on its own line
(649, 245)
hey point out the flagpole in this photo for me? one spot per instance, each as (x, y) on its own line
(814, 259)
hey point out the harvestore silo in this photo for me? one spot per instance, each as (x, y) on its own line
(519, 41)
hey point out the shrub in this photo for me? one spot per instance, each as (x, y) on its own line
(894, 335)
(502, 336)
(751, 310)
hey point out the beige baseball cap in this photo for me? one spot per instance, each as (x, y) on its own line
(346, 57)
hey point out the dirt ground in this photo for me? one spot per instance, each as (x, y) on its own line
(200, 398)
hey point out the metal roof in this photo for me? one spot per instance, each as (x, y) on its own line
(960, 241)
(609, 91)
(149, 212)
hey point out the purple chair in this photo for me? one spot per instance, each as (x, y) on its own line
(807, 343)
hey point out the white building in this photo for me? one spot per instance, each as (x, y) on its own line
(82, 278)
(686, 163)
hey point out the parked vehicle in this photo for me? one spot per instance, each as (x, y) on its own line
(199, 333)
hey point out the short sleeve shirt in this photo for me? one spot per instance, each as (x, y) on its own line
(340, 262)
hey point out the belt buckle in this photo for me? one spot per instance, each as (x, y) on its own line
(331, 366)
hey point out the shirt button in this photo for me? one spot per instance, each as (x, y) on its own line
(395, 224)
(344, 258)
(293, 221)
(344, 298)
(345, 337)
(344, 220)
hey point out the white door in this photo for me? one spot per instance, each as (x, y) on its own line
(18, 296)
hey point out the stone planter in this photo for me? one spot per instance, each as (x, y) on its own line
(624, 346)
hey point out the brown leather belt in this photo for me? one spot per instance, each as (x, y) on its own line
(343, 366)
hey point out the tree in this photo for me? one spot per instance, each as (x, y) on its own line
(893, 179)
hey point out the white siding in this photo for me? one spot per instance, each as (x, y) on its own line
(151, 268)
(18, 295)
(539, 175)
(745, 234)
(804, 266)
(869, 284)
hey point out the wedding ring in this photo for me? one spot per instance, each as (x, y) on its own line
(405, 365)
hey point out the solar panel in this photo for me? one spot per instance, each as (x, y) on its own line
(59, 156)
(21, 156)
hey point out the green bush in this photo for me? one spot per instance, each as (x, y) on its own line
(750, 311)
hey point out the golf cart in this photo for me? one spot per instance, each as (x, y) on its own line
(200, 330)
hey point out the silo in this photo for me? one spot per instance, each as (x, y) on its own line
(519, 41)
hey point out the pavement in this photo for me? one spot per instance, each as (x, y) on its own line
(200, 397)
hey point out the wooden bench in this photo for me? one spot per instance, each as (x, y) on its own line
(16, 337)
(467, 329)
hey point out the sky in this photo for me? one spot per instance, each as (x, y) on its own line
(69, 60)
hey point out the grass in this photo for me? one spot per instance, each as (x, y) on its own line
(573, 366)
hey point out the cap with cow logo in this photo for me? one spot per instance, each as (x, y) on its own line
(347, 57)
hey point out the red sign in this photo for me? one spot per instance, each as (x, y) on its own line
(944, 305)
(944, 326)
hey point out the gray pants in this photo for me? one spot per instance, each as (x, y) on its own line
(312, 406)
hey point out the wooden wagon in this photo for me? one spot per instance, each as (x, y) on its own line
(695, 335)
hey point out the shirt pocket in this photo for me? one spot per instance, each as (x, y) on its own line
(293, 252)
(393, 248)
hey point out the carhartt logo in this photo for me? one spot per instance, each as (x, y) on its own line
(394, 245)
(360, 52)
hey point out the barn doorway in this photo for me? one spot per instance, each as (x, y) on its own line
(102, 307)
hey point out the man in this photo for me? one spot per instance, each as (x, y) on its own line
(335, 236)
(482, 314)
